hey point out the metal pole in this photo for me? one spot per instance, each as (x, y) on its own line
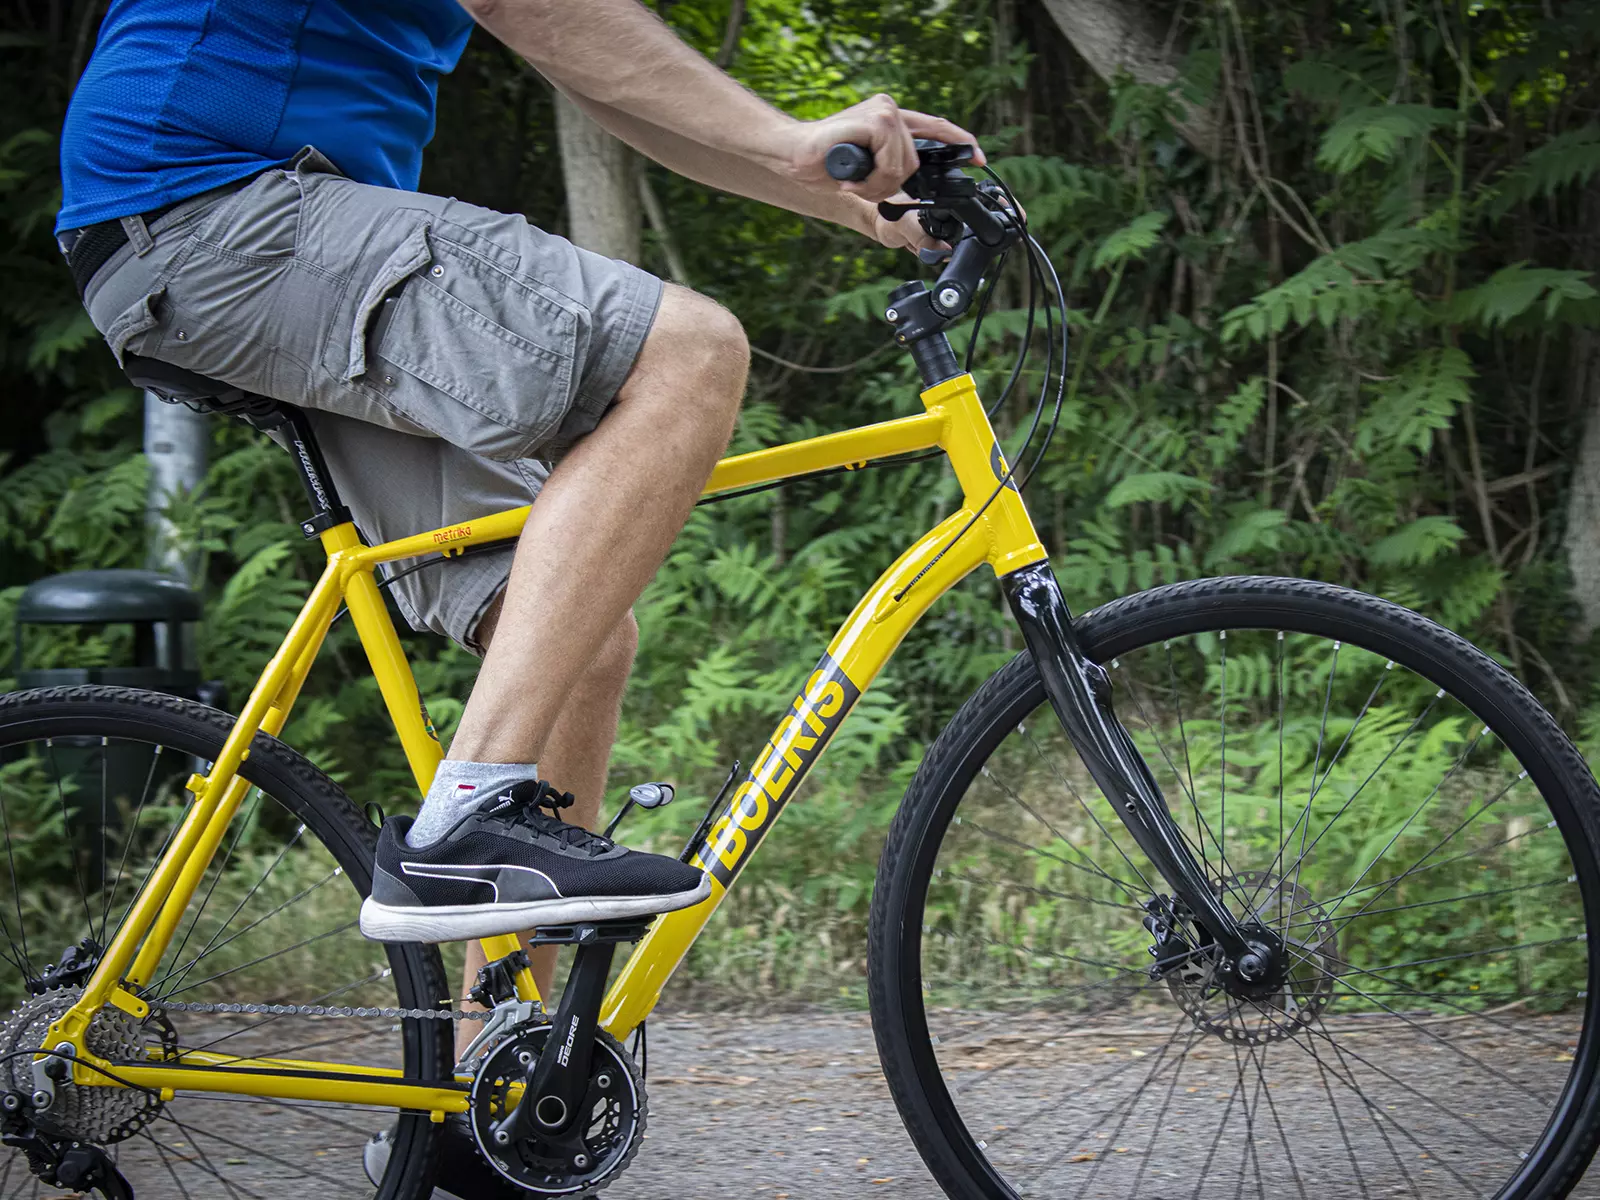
(175, 442)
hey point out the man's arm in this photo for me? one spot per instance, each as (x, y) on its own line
(637, 79)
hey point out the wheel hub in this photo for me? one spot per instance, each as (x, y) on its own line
(1287, 987)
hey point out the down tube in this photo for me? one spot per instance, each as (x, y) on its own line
(852, 661)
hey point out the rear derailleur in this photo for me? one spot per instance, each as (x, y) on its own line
(76, 1166)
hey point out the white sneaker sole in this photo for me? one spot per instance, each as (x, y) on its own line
(461, 922)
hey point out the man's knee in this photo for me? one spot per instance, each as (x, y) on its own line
(698, 345)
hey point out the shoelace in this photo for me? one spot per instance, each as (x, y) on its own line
(522, 803)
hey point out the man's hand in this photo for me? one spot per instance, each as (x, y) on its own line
(884, 128)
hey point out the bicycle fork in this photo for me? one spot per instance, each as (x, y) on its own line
(1252, 961)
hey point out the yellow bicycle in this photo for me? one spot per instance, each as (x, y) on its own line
(1309, 908)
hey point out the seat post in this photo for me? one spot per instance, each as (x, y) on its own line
(326, 508)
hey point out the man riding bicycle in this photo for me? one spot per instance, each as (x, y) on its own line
(239, 200)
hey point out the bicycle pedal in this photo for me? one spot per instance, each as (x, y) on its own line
(591, 933)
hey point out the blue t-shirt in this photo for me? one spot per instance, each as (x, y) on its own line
(182, 96)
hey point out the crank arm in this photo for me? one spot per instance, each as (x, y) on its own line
(1080, 693)
(558, 1079)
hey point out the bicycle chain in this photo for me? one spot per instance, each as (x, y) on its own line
(323, 1010)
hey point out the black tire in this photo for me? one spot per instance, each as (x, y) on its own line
(948, 1142)
(177, 726)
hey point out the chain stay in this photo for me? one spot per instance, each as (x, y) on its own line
(321, 1010)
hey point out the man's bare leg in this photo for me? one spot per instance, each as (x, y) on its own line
(575, 760)
(604, 521)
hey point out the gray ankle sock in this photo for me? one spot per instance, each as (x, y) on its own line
(458, 788)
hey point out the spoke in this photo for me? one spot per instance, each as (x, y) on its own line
(346, 927)
(1202, 827)
(1316, 787)
(129, 838)
(1128, 888)
(66, 824)
(270, 1157)
(1311, 794)
(969, 877)
(1249, 1149)
(16, 892)
(161, 1153)
(178, 975)
(1264, 1089)
(1161, 1116)
(1395, 880)
(1132, 1104)
(238, 908)
(1093, 816)
(1028, 950)
(1058, 1005)
(1470, 1012)
(1393, 750)
(205, 1160)
(1417, 811)
(321, 1109)
(1338, 1118)
(1378, 912)
(1188, 763)
(1445, 1042)
(216, 878)
(1422, 962)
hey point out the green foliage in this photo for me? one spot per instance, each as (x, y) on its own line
(1342, 349)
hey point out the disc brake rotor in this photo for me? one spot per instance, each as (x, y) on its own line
(1310, 940)
(610, 1123)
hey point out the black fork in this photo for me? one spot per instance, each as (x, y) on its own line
(1252, 959)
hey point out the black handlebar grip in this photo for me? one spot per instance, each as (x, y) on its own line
(848, 162)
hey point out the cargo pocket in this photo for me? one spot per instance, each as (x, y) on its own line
(472, 353)
(136, 321)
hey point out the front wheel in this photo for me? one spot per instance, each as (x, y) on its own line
(1396, 806)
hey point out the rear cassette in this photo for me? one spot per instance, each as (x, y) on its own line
(594, 1150)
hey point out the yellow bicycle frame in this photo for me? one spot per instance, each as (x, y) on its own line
(1001, 534)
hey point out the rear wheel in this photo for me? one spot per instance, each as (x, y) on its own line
(91, 787)
(1400, 809)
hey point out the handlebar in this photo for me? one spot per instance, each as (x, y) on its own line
(850, 163)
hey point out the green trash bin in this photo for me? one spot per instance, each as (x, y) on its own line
(163, 612)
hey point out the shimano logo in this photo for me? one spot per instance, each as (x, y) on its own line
(563, 1054)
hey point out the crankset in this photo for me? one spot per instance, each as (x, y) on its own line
(558, 1106)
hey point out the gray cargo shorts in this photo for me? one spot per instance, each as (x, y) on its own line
(447, 353)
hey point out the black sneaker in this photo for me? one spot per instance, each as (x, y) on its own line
(508, 866)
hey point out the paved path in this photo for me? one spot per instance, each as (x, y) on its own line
(792, 1106)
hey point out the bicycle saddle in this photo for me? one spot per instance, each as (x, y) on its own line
(178, 385)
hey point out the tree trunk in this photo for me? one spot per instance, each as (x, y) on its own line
(176, 443)
(602, 192)
(1117, 35)
(1583, 407)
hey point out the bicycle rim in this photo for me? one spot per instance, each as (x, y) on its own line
(91, 789)
(1364, 782)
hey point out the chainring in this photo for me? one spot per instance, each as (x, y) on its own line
(614, 1111)
(1310, 938)
(98, 1115)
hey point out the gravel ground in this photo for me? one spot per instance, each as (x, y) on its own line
(792, 1105)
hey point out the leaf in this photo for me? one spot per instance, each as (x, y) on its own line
(1377, 132)
(1511, 291)
(1422, 541)
(1563, 160)
(1257, 529)
(1161, 487)
(1131, 241)
(1421, 398)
